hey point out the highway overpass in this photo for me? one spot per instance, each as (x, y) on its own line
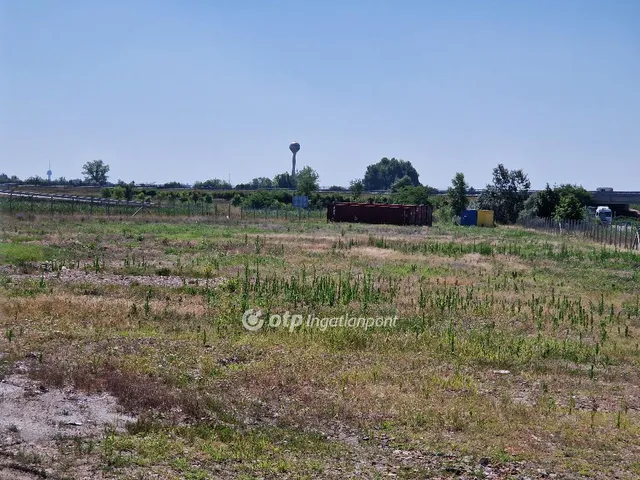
(615, 198)
(597, 197)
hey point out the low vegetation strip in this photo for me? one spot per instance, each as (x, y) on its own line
(514, 353)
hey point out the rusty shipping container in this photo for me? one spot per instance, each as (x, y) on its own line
(380, 213)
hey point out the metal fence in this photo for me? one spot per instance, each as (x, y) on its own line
(37, 204)
(24, 202)
(620, 236)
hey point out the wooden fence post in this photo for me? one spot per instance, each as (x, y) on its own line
(610, 234)
(626, 231)
(602, 234)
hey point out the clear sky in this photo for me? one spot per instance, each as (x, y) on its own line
(188, 90)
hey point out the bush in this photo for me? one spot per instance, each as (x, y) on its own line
(412, 195)
(570, 208)
(506, 195)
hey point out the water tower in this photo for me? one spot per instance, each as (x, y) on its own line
(49, 172)
(295, 148)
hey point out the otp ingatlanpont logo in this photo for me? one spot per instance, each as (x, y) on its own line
(252, 320)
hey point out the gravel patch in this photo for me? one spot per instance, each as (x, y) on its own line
(34, 419)
(32, 413)
(80, 276)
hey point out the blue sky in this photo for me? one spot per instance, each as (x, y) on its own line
(189, 90)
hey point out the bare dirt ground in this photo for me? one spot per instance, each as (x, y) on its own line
(36, 419)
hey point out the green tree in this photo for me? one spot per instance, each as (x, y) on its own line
(213, 183)
(174, 185)
(357, 188)
(237, 199)
(569, 208)
(400, 183)
(128, 189)
(583, 196)
(506, 195)
(118, 192)
(95, 171)
(284, 180)
(457, 194)
(412, 195)
(545, 202)
(381, 175)
(266, 199)
(307, 181)
(37, 180)
(261, 182)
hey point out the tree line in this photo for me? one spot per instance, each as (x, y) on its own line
(509, 197)
(396, 180)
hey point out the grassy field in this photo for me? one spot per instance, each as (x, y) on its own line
(515, 354)
(26, 208)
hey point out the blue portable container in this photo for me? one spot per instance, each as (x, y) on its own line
(469, 218)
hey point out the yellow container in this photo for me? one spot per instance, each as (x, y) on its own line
(485, 218)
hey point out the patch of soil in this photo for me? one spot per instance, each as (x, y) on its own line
(32, 413)
(34, 418)
(80, 276)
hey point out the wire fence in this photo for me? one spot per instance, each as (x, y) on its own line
(625, 236)
(25, 204)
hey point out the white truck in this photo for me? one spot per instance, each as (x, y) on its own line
(604, 215)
